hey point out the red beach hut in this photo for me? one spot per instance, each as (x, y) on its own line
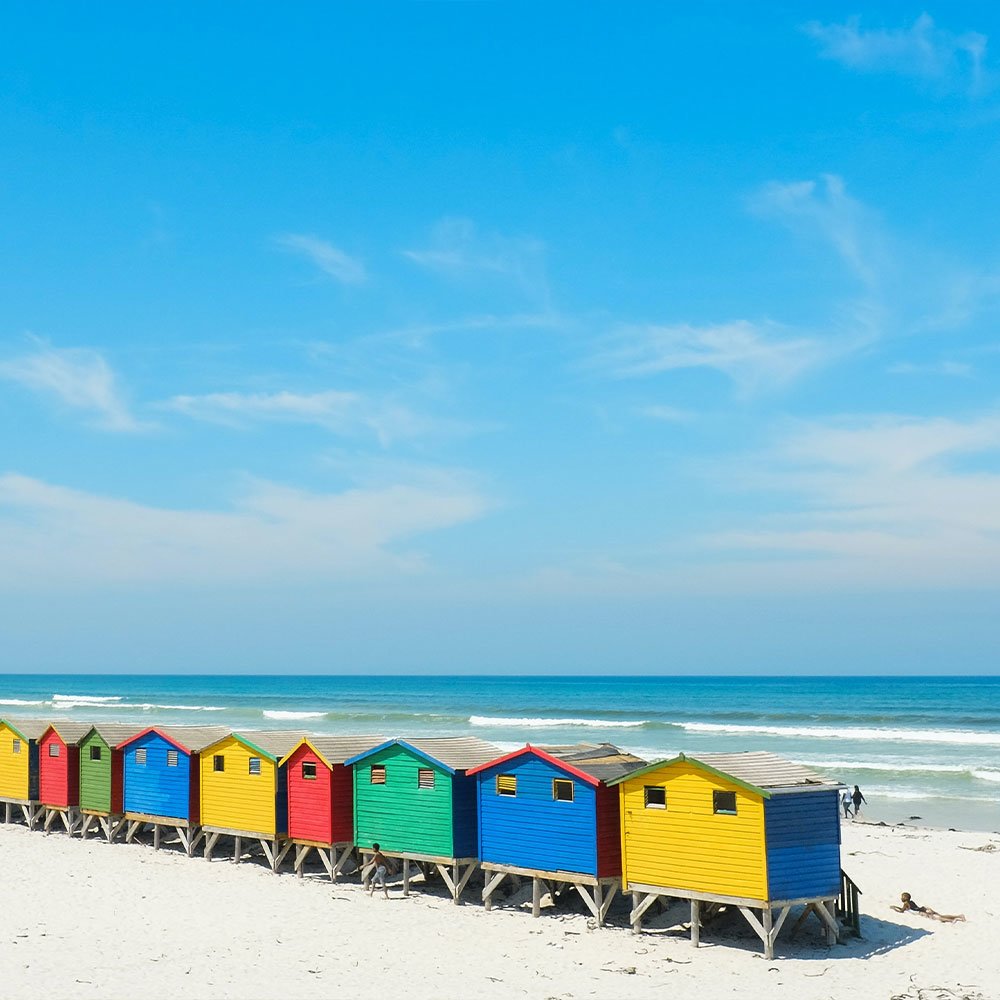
(59, 773)
(321, 797)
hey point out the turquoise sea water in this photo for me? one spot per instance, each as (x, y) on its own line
(918, 747)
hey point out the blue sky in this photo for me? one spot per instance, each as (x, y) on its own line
(500, 337)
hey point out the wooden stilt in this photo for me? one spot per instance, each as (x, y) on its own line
(768, 939)
(695, 922)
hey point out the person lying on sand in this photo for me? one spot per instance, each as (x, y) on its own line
(926, 911)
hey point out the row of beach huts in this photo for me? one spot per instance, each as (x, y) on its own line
(746, 830)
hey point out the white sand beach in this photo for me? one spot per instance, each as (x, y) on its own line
(98, 920)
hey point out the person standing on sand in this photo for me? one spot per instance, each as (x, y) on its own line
(380, 864)
(910, 906)
(845, 801)
(857, 798)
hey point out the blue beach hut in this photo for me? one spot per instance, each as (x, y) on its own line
(160, 776)
(547, 813)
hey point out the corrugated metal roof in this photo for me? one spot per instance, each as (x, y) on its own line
(195, 738)
(337, 749)
(71, 732)
(763, 769)
(457, 752)
(603, 761)
(31, 729)
(114, 733)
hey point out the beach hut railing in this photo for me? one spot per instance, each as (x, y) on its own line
(848, 909)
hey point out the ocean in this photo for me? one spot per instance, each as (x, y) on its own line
(925, 751)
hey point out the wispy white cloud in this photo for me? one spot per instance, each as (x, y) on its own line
(824, 209)
(331, 260)
(459, 250)
(904, 501)
(54, 536)
(954, 369)
(77, 378)
(756, 357)
(666, 414)
(921, 50)
(346, 413)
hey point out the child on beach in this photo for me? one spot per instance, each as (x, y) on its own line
(845, 801)
(925, 911)
(377, 873)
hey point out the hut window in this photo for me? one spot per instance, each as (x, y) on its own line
(562, 790)
(378, 774)
(724, 802)
(16, 747)
(53, 749)
(95, 753)
(171, 758)
(140, 757)
(425, 777)
(218, 762)
(655, 797)
(309, 772)
(506, 784)
(255, 765)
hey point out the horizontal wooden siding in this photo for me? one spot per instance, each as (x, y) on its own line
(687, 845)
(531, 829)
(803, 845)
(398, 815)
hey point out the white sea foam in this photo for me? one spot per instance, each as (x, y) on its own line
(951, 736)
(871, 765)
(279, 716)
(86, 699)
(489, 720)
(18, 701)
(987, 774)
(178, 708)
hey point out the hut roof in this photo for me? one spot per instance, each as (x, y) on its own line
(593, 762)
(190, 739)
(114, 733)
(758, 771)
(453, 753)
(603, 761)
(27, 729)
(271, 743)
(70, 733)
(337, 749)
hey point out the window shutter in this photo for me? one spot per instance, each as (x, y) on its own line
(255, 765)
(506, 784)
(171, 758)
(562, 790)
(724, 803)
(378, 774)
(140, 756)
(218, 762)
(654, 797)
(425, 777)
(17, 746)
(53, 749)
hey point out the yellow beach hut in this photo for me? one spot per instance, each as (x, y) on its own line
(244, 793)
(749, 830)
(19, 768)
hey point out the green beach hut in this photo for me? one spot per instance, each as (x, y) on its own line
(415, 799)
(101, 778)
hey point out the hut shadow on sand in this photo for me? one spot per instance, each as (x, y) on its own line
(729, 929)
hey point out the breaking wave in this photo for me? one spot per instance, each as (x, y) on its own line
(518, 723)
